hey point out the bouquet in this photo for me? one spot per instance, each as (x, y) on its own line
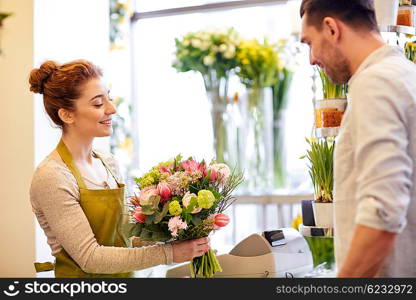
(182, 200)
(207, 51)
(258, 64)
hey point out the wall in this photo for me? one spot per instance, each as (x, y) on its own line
(61, 30)
(17, 243)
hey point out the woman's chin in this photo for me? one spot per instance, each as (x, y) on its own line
(105, 133)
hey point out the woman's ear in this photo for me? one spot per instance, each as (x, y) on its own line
(66, 116)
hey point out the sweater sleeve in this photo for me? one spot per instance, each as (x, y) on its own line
(55, 195)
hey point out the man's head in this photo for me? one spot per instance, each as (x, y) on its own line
(325, 24)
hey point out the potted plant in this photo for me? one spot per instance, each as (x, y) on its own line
(3, 16)
(321, 159)
(330, 110)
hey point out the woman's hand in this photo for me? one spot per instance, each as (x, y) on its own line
(187, 250)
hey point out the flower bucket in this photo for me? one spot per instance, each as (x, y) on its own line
(323, 214)
(386, 11)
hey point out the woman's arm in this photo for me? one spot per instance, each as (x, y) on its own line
(55, 193)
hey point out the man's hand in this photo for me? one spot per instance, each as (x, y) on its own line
(368, 251)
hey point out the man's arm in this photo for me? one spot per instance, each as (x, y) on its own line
(367, 253)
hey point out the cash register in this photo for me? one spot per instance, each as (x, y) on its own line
(277, 253)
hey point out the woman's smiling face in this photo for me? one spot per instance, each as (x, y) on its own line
(93, 110)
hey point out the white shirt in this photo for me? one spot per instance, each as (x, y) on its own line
(374, 164)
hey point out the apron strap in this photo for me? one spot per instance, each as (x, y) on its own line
(108, 168)
(67, 158)
(44, 267)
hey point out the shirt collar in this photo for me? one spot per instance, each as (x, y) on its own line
(375, 57)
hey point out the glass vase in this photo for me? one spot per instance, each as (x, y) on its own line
(216, 90)
(258, 164)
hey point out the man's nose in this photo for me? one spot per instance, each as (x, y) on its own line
(312, 59)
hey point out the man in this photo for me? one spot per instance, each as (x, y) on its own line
(374, 167)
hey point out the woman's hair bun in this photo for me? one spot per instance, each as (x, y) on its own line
(38, 77)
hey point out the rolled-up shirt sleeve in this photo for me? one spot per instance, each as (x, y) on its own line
(384, 166)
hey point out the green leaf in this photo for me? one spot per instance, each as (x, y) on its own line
(187, 217)
(148, 210)
(160, 215)
(149, 219)
(192, 204)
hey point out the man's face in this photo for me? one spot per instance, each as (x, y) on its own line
(324, 53)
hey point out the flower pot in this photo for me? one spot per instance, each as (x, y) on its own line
(329, 112)
(386, 11)
(323, 214)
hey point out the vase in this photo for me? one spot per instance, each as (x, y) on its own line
(279, 151)
(280, 99)
(323, 214)
(386, 11)
(258, 163)
(216, 90)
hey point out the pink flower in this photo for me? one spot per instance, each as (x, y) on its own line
(135, 200)
(187, 199)
(165, 169)
(176, 224)
(223, 172)
(191, 166)
(213, 175)
(164, 189)
(138, 216)
(147, 195)
(219, 220)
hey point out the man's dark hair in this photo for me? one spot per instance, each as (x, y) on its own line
(358, 14)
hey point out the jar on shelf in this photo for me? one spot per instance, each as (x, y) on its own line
(406, 15)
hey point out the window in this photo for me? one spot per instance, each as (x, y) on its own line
(173, 113)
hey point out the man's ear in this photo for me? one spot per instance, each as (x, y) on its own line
(331, 29)
(66, 116)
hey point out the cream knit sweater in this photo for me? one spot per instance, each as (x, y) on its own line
(54, 195)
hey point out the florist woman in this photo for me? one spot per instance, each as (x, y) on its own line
(76, 192)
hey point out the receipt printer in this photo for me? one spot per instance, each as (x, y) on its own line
(277, 253)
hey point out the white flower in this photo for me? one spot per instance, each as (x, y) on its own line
(205, 45)
(196, 43)
(222, 48)
(229, 54)
(176, 224)
(187, 199)
(186, 42)
(223, 172)
(214, 48)
(208, 60)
